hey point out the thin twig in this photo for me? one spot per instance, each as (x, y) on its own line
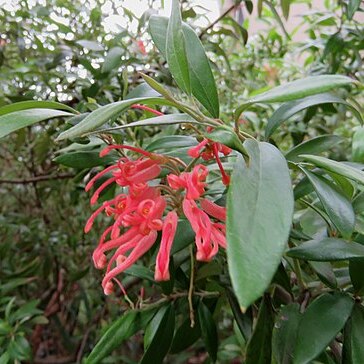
(203, 32)
(37, 179)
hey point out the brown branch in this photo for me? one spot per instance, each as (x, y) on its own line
(203, 32)
(37, 179)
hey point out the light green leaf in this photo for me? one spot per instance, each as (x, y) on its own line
(336, 205)
(20, 119)
(202, 80)
(176, 49)
(288, 109)
(321, 322)
(24, 105)
(260, 208)
(335, 167)
(326, 250)
(113, 59)
(352, 7)
(358, 145)
(90, 45)
(103, 114)
(297, 90)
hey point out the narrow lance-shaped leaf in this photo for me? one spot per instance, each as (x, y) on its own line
(336, 205)
(103, 114)
(335, 167)
(289, 109)
(298, 89)
(260, 208)
(325, 317)
(202, 80)
(316, 145)
(176, 49)
(259, 349)
(20, 119)
(328, 249)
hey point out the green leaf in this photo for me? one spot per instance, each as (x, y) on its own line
(335, 167)
(209, 330)
(244, 321)
(185, 336)
(325, 273)
(316, 145)
(25, 105)
(356, 269)
(169, 119)
(126, 326)
(288, 109)
(285, 333)
(171, 142)
(162, 339)
(202, 80)
(112, 60)
(90, 45)
(336, 205)
(297, 90)
(20, 119)
(83, 159)
(141, 272)
(327, 249)
(285, 5)
(153, 326)
(353, 349)
(103, 114)
(319, 325)
(228, 137)
(352, 7)
(259, 349)
(358, 145)
(176, 49)
(260, 208)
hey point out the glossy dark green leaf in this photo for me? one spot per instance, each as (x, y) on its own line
(358, 145)
(243, 320)
(208, 330)
(260, 208)
(327, 249)
(185, 336)
(324, 317)
(356, 271)
(336, 205)
(171, 142)
(335, 167)
(103, 114)
(184, 236)
(162, 339)
(316, 145)
(325, 273)
(227, 137)
(126, 326)
(19, 349)
(287, 110)
(202, 80)
(25, 105)
(140, 271)
(20, 119)
(83, 159)
(285, 333)
(259, 349)
(353, 349)
(112, 60)
(153, 325)
(176, 53)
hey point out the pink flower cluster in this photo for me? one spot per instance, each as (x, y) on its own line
(145, 208)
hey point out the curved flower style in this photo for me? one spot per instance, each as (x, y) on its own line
(138, 214)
